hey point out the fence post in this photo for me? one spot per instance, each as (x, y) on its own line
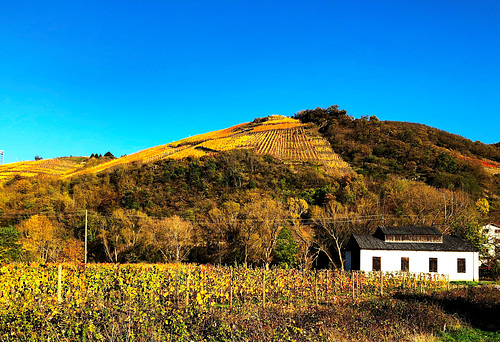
(177, 285)
(352, 285)
(316, 287)
(327, 296)
(231, 290)
(264, 289)
(187, 286)
(381, 283)
(59, 284)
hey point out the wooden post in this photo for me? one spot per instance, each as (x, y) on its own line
(187, 286)
(85, 236)
(59, 284)
(316, 287)
(231, 291)
(264, 289)
(381, 283)
(177, 285)
(341, 276)
(352, 281)
(327, 285)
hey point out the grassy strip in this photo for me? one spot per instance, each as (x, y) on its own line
(469, 335)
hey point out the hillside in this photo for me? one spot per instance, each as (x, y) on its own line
(414, 151)
(49, 167)
(281, 137)
(221, 186)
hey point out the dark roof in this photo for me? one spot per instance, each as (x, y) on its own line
(409, 230)
(450, 243)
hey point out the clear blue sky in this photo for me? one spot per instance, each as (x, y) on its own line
(82, 77)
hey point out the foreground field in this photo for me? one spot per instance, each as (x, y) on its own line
(186, 303)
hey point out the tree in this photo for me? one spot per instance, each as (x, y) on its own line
(10, 248)
(172, 237)
(39, 239)
(334, 230)
(304, 234)
(286, 249)
(123, 232)
(225, 227)
(264, 220)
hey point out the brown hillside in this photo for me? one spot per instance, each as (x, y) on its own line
(284, 138)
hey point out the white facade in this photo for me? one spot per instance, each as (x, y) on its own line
(447, 262)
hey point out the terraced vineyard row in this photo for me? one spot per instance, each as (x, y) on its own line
(50, 167)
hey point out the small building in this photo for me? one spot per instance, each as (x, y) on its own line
(413, 249)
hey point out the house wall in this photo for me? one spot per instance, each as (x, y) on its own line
(419, 262)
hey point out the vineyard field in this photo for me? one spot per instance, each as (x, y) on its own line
(49, 167)
(85, 300)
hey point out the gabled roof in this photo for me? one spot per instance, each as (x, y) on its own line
(411, 230)
(449, 244)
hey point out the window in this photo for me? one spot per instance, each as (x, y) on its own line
(405, 264)
(433, 264)
(460, 265)
(376, 263)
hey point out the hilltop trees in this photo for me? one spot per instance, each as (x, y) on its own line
(413, 151)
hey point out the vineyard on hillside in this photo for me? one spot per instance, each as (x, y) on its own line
(281, 137)
(49, 167)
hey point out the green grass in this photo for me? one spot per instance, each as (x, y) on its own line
(473, 283)
(468, 335)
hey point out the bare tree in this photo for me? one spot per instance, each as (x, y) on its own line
(172, 237)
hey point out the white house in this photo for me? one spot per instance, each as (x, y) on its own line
(413, 249)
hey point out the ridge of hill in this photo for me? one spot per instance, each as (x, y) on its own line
(284, 138)
(326, 138)
(409, 150)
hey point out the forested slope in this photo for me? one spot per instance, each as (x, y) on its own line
(248, 206)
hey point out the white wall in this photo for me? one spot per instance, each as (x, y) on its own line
(419, 262)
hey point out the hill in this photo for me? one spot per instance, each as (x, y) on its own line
(281, 137)
(410, 150)
(232, 192)
(49, 167)
(284, 138)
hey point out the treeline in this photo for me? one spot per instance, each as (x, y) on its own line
(235, 207)
(413, 151)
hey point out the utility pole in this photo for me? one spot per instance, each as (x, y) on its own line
(85, 236)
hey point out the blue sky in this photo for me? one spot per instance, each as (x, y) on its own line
(82, 77)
